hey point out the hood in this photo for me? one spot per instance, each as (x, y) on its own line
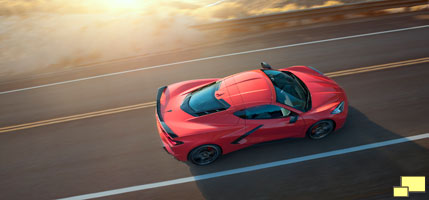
(325, 92)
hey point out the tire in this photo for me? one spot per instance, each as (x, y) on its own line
(320, 129)
(205, 154)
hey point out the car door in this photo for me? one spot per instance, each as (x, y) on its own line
(269, 122)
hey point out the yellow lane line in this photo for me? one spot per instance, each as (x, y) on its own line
(76, 117)
(377, 67)
(380, 68)
(151, 104)
(83, 115)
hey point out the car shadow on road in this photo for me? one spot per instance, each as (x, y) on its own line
(368, 174)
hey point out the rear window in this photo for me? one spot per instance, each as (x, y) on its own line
(203, 101)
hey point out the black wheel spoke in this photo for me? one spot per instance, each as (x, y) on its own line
(321, 129)
(205, 154)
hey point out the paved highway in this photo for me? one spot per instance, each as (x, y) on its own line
(120, 148)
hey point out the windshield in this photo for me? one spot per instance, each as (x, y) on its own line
(203, 100)
(290, 90)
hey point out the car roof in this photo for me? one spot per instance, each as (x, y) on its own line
(247, 88)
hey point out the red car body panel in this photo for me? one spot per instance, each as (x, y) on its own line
(240, 91)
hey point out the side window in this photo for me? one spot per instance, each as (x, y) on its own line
(263, 112)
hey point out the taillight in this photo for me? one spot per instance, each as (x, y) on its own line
(174, 142)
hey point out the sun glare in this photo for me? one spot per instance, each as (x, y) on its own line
(127, 5)
(122, 5)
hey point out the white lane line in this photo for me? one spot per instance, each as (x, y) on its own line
(215, 3)
(214, 57)
(248, 169)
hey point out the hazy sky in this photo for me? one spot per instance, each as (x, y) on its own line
(39, 34)
(201, 9)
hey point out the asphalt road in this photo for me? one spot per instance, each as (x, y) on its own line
(123, 149)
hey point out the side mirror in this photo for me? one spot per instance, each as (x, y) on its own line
(293, 119)
(265, 65)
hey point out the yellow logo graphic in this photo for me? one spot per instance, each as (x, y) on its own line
(410, 184)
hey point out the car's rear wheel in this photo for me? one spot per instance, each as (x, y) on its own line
(320, 129)
(205, 154)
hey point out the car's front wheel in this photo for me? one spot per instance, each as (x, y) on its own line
(320, 129)
(205, 154)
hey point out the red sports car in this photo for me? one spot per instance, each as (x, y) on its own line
(199, 120)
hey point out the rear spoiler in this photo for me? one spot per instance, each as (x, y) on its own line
(158, 112)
